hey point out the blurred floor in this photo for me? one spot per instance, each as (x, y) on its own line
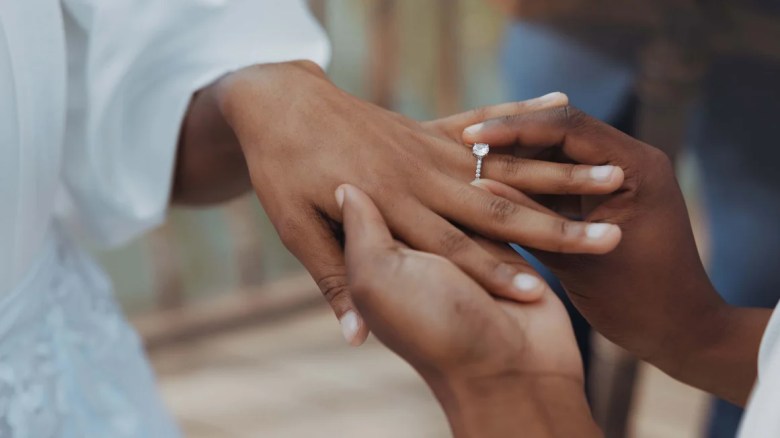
(296, 378)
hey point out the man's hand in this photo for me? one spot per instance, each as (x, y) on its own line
(302, 137)
(651, 294)
(496, 366)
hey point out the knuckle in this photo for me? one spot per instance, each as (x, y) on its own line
(569, 171)
(564, 227)
(575, 118)
(511, 121)
(566, 230)
(480, 113)
(487, 264)
(500, 210)
(567, 182)
(452, 242)
(511, 165)
(653, 168)
(333, 286)
(414, 144)
(520, 107)
(289, 231)
(309, 66)
(659, 158)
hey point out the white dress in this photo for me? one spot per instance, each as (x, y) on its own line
(92, 93)
(762, 417)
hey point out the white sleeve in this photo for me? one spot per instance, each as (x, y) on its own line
(133, 66)
(761, 417)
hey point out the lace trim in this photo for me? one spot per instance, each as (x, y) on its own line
(69, 364)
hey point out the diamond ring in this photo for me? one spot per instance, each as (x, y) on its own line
(480, 150)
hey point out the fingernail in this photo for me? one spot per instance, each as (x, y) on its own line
(551, 97)
(597, 231)
(526, 282)
(601, 173)
(349, 326)
(340, 196)
(474, 129)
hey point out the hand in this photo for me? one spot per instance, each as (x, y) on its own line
(302, 137)
(495, 365)
(651, 294)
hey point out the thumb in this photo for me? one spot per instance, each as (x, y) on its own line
(369, 249)
(366, 232)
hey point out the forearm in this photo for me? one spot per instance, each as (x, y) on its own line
(545, 406)
(723, 358)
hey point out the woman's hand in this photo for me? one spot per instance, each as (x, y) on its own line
(302, 137)
(651, 294)
(495, 365)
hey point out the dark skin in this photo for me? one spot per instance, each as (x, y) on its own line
(498, 368)
(501, 369)
(291, 135)
(650, 295)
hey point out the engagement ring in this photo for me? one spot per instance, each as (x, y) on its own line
(480, 150)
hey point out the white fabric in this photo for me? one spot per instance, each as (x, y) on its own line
(70, 365)
(92, 93)
(762, 418)
(32, 110)
(130, 69)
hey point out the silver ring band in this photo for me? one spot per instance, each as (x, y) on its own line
(480, 151)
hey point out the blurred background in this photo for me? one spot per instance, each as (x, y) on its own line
(242, 340)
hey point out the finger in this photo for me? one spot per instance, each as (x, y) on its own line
(561, 206)
(366, 230)
(582, 138)
(371, 252)
(428, 232)
(503, 220)
(312, 241)
(544, 177)
(455, 124)
(535, 283)
(512, 194)
(564, 206)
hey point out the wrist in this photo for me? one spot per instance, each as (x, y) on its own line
(717, 351)
(693, 321)
(510, 404)
(687, 335)
(210, 164)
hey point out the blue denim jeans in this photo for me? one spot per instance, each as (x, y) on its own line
(731, 135)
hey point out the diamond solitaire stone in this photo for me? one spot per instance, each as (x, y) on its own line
(480, 150)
